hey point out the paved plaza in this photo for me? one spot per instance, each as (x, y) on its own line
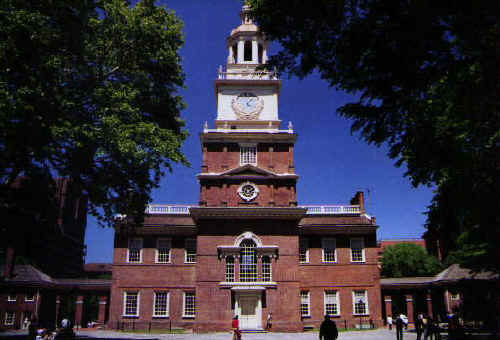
(380, 334)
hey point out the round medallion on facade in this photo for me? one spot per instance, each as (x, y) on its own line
(247, 106)
(248, 191)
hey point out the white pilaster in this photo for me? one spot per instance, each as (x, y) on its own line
(230, 57)
(241, 47)
(255, 52)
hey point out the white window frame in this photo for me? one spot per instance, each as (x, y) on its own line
(307, 296)
(137, 307)
(362, 249)
(11, 297)
(10, 318)
(26, 299)
(184, 315)
(248, 154)
(140, 249)
(324, 243)
(304, 244)
(167, 312)
(270, 263)
(230, 275)
(365, 300)
(186, 255)
(326, 300)
(169, 241)
(455, 296)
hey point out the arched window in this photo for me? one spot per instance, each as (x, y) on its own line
(229, 269)
(266, 269)
(248, 261)
(248, 51)
(261, 51)
(235, 53)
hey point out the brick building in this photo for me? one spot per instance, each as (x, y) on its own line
(247, 248)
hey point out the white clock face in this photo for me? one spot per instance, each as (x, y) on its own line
(247, 105)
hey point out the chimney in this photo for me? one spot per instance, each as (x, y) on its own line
(359, 199)
(10, 259)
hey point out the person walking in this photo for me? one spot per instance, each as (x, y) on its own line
(428, 329)
(399, 328)
(235, 324)
(328, 329)
(269, 322)
(389, 322)
(419, 325)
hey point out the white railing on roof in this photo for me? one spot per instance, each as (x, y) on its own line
(311, 209)
(331, 209)
(168, 209)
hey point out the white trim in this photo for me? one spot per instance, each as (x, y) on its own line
(354, 302)
(130, 240)
(324, 242)
(248, 149)
(185, 249)
(362, 249)
(12, 298)
(184, 315)
(29, 300)
(125, 303)
(244, 236)
(337, 301)
(168, 304)
(169, 240)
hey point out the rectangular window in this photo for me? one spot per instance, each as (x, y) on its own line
(360, 302)
(329, 250)
(266, 269)
(357, 250)
(305, 303)
(455, 296)
(190, 251)
(135, 250)
(161, 304)
(12, 298)
(303, 250)
(248, 155)
(229, 269)
(163, 247)
(131, 304)
(332, 303)
(10, 317)
(29, 297)
(189, 305)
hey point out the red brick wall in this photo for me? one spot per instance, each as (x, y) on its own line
(214, 303)
(19, 307)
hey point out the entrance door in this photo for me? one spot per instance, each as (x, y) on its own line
(249, 312)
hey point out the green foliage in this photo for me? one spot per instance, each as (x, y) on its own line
(406, 259)
(88, 90)
(426, 77)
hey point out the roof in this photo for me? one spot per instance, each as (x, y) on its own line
(453, 273)
(98, 267)
(27, 274)
(457, 273)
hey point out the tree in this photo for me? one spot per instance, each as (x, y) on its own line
(88, 91)
(407, 259)
(425, 77)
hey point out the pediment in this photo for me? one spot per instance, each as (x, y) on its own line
(248, 170)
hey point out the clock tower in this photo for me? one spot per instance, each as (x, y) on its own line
(247, 158)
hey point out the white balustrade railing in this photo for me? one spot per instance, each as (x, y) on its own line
(173, 209)
(331, 209)
(168, 209)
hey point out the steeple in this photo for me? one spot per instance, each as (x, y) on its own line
(247, 96)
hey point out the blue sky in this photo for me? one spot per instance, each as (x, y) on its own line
(332, 163)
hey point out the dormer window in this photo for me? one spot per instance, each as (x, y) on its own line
(248, 154)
